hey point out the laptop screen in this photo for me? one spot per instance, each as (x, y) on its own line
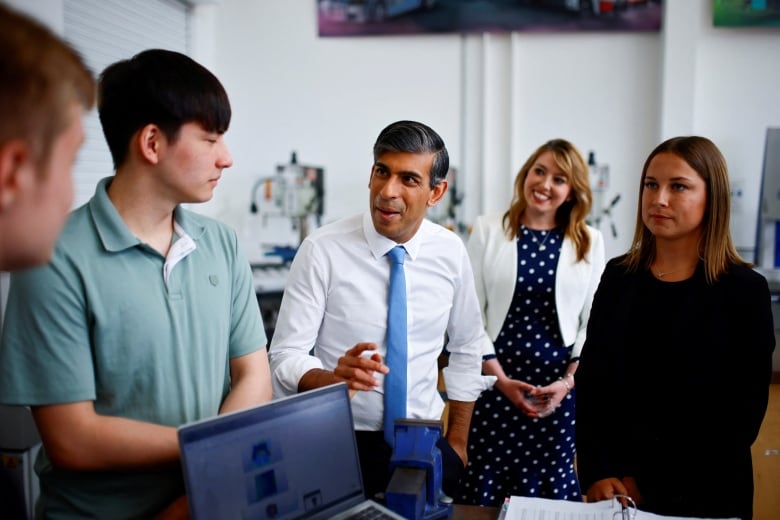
(291, 458)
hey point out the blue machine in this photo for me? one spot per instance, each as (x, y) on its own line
(415, 490)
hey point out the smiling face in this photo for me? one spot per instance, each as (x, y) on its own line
(401, 193)
(674, 199)
(545, 188)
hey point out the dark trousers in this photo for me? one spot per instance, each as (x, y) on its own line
(12, 505)
(375, 455)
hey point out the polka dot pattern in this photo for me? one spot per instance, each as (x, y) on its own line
(510, 453)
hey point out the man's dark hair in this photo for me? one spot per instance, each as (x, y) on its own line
(414, 137)
(159, 87)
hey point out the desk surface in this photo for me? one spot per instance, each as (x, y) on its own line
(461, 512)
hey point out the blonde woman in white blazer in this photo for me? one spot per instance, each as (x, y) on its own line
(536, 269)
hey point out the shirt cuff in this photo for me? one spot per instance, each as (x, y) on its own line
(466, 387)
(487, 347)
(288, 373)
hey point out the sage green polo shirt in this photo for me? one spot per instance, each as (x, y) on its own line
(101, 323)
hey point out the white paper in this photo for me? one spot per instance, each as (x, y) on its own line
(526, 508)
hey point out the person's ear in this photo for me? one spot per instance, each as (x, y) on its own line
(150, 140)
(437, 193)
(14, 162)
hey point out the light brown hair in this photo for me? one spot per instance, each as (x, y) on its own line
(716, 247)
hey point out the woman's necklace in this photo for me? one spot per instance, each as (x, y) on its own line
(539, 244)
(661, 274)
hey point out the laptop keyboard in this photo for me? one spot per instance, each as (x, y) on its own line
(370, 513)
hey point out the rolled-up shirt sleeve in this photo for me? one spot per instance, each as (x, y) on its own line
(467, 340)
(298, 323)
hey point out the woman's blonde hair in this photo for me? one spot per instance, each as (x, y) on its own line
(572, 213)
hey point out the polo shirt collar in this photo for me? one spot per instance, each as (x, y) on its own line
(380, 244)
(188, 223)
(112, 230)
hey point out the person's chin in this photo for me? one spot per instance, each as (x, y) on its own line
(200, 198)
(383, 220)
(387, 230)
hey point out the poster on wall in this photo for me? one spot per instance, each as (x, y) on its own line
(376, 17)
(746, 13)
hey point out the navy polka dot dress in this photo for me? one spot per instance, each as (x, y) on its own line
(509, 452)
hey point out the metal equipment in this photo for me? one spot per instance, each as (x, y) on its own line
(287, 206)
(415, 490)
(447, 212)
(599, 185)
(295, 192)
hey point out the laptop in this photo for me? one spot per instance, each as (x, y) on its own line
(295, 457)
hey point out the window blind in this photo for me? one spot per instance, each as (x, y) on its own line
(105, 31)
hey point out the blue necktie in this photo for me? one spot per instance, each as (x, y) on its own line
(395, 359)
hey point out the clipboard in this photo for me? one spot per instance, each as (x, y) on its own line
(620, 507)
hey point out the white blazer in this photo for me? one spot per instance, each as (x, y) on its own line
(494, 260)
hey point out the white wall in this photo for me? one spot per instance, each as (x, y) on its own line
(723, 83)
(327, 99)
(736, 97)
(493, 97)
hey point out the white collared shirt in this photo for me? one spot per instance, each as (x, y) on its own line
(336, 297)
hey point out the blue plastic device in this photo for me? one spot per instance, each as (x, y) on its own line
(414, 490)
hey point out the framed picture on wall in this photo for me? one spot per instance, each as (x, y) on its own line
(375, 17)
(746, 13)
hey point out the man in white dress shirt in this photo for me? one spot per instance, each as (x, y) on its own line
(333, 318)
